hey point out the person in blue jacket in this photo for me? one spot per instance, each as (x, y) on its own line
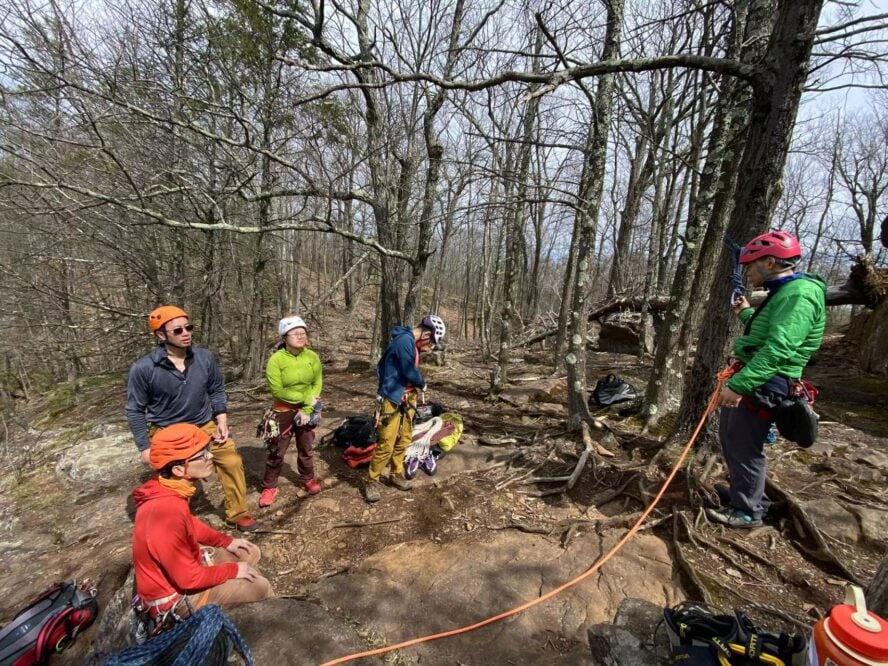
(399, 381)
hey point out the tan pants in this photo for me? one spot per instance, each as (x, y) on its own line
(230, 468)
(395, 432)
(234, 591)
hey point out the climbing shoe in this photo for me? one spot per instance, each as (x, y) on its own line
(400, 482)
(268, 496)
(732, 517)
(372, 491)
(312, 487)
(430, 465)
(411, 467)
(244, 524)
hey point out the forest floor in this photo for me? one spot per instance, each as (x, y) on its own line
(69, 468)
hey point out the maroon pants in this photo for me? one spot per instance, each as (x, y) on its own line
(304, 450)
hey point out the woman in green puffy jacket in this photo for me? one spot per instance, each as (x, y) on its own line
(295, 378)
(780, 337)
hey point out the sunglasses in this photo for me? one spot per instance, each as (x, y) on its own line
(180, 329)
(203, 454)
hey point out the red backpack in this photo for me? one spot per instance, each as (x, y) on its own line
(48, 624)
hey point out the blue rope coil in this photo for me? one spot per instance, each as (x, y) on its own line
(194, 642)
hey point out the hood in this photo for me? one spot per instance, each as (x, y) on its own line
(816, 279)
(401, 330)
(152, 490)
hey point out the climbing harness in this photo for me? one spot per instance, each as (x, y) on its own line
(721, 378)
(698, 636)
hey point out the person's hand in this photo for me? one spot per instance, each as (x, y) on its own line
(239, 547)
(145, 456)
(741, 304)
(315, 400)
(301, 419)
(246, 571)
(728, 398)
(221, 433)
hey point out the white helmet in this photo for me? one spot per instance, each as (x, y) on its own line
(435, 324)
(287, 324)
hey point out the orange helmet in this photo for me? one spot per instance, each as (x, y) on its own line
(160, 316)
(177, 442)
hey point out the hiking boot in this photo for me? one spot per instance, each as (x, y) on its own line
(371, 491)
(732, 517)
(312, 487)
(243, 524)
(268, 496)
(400, 482)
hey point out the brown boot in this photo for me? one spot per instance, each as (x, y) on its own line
(400, 482)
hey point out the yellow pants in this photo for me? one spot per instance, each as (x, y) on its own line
(230, 468)
(395, 431)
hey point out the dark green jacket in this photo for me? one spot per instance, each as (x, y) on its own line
(783, 336)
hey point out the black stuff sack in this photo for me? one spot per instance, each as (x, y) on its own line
(612, 390)
(357, 431)
(49, 624)
(796, 421)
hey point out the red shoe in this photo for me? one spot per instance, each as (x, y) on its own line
(312, 487)
(245, 524)
(268, 496)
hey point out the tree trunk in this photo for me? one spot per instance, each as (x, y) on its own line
(587, 221)
(515, 236)
(775, 103)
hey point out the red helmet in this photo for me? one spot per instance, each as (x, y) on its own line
(777, 244)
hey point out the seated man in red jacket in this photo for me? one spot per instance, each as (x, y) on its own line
(180, 562)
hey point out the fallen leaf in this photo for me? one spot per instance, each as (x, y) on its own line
(733, 572)
(837, 581)
(600, 450)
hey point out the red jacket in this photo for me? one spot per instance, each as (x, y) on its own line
(166, 545)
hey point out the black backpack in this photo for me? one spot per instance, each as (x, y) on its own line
(612, 390)
(358, 431)
(48, 624)
(428, 411)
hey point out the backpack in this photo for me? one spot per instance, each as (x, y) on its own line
(612, 390)
(357, 431)
(48, 624)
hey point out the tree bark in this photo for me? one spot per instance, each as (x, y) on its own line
(774, 106)
(587, 222)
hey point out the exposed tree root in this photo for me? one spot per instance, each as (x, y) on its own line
(808, 530)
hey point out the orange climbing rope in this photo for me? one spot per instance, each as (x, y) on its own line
(722, 377)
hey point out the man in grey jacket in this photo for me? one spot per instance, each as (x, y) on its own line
(180, 383)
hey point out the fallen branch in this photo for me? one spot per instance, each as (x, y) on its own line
(363, 524)
(521, 527)
(260, 531)
(578, 469)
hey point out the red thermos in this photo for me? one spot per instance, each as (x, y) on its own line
(850, 636)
